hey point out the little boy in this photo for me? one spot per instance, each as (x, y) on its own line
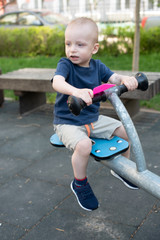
(77, 75)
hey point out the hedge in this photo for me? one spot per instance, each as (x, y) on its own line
(31, 41)
(35, 41)
(123, 40)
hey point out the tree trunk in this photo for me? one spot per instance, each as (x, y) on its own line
(135, 60)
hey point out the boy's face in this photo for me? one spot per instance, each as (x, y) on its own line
(79, 44)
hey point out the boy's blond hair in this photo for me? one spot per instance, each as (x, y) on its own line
(83, 21)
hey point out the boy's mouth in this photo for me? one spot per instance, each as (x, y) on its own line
(74, 57)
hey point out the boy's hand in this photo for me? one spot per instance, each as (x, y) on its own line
(130, 82)
(85, 94)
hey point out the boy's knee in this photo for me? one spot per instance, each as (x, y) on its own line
(84, 146)
(121, 132)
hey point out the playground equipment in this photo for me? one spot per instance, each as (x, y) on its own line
(109, 152)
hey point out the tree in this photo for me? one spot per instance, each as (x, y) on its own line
(135, 61)
(4, 4)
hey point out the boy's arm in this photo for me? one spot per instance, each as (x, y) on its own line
(130, 82)
(60, 85)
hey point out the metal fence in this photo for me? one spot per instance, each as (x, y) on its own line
(99, 10)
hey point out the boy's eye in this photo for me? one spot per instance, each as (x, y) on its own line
(68, 44)
(80, 44)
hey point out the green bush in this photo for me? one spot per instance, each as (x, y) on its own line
(121, 40)
(31, 41)
(35, 41)
(150, 40)
(117, 40)
(55, 44)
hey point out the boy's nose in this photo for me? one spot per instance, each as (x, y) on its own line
(73, 49)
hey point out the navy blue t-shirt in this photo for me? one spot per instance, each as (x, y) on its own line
(79, 77)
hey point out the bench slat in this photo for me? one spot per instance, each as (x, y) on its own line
(38, 80)
(30, 81)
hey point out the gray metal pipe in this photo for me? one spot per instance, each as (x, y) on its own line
(131, 131)
(126, 168)
(136, 173)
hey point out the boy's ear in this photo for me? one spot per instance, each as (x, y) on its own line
(95, 48)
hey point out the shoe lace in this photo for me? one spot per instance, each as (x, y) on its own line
(86, 192)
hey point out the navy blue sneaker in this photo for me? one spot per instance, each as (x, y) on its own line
(125, 181)
(85, 196)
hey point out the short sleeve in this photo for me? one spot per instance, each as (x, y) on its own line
(63, 68)
(105, 72)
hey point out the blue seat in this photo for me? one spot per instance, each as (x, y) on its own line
(54, 140)
(102, 149)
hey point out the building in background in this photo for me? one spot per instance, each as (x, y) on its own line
(99, 10)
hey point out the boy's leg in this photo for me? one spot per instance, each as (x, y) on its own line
(107, 127)
(80, 185)
(75, 138)
(80, 158)
(121, 132)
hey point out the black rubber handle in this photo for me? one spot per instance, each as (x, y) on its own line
(77, 104)
(142, 84)
(142, 81)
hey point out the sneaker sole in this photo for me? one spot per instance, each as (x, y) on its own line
(78, 199)
(127, 185)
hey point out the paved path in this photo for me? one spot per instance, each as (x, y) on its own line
(36, 202)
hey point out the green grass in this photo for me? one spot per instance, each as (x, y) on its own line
(10, 64)
(148, 63)
(154, 103)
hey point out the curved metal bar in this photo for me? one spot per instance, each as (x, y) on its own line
(126, 168)
(131, 131)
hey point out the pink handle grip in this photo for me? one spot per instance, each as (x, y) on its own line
(102, 87)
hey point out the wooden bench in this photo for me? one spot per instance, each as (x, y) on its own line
(132, 99)
(31, 85)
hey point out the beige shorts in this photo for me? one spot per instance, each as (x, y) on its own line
(70, 135)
